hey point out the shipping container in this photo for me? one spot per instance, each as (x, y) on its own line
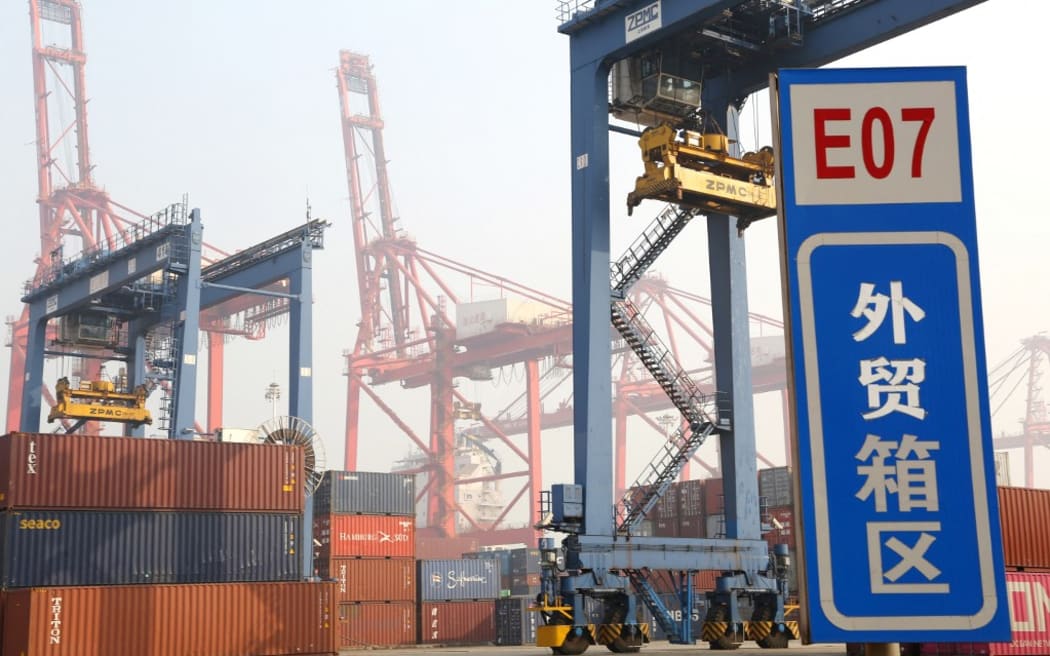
(1029, 595)
(171, 620)
(714, 501)
(69, 547)
(441, 548)
(781, 523)
(457, 622)
(365, 535)
(441, 580)
(371, 579)
(502, 555)
(1024, 515)
(523, 584)
(370, 493)
(377, 625)
(515, 623)
(692, 526)
(690, 498)
(775, 485)
(524, 561)
(80, 471)
(665, 527)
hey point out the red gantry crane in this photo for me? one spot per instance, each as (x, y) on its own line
(408, 334)
(1024, 370)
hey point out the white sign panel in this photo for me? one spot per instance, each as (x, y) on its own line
(643, 21)
(893, 142)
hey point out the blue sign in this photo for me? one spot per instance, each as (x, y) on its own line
(899, 515)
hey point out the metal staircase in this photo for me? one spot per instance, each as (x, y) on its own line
(645, 591)
(699, 410)
(643, 252)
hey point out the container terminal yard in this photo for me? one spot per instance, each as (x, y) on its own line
(301, 372)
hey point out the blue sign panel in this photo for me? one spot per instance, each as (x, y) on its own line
(899, 514)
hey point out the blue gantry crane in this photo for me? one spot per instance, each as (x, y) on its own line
(681, 69)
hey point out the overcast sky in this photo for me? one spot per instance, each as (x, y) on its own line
(234, 103)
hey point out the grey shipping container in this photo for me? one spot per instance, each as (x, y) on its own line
(455, 580)
(71, 548)
(524, 561)
(502, 555)
(515, 623)
(369, 493)
(775, 485)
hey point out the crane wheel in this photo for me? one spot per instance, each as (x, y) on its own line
(775, 640)
(573, 645)
(717, 613)
(619, 646)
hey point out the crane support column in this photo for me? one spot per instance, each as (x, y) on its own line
(136, 367)
(300, 364)
(732, 342)
(592, 352)
(188, 333)
(34, 370)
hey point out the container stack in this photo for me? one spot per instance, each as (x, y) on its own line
(117, 535)
(457, 600)
(515, 623)
(364, 523)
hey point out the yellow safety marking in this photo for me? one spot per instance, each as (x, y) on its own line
(714, 630)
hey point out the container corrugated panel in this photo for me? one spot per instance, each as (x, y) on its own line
(171, 620)
(692, 526)
(383, 536)
(81, 471)
(515, 623)
(775, 485)
(665, 528)
(372, 579)
(714, 502)
(371, 493)
(441, 580)
(457, 622)
(1024, 515)
(667, 506)
(67, 547)
(782, 526)
(523, 584)
(691, 498)
(502, 555)
(377, 625)
(524, 561)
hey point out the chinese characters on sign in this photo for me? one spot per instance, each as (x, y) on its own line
(890, 468)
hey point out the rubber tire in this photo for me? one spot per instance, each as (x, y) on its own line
(572, 646)
(775, 640)
(618, 646)
(764, 612)
(718, 614)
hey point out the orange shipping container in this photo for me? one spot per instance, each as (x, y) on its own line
(232, 619)
(369, 536)
(1024, 515)
(372, 579)
(129, 473)
(377, 625)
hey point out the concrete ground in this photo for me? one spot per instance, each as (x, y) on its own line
(652, 649)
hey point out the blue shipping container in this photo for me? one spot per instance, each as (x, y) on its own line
(456, 580)
(368, 493)
(68, 548)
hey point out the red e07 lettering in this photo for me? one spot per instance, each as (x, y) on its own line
(825, 139)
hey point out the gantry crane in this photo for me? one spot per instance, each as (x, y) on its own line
(407, 334)
(1024, 370)
(78, 216)
(681, 64)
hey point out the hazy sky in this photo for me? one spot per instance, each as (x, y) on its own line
(234, 103)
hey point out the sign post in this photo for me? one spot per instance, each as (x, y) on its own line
(896, 479)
